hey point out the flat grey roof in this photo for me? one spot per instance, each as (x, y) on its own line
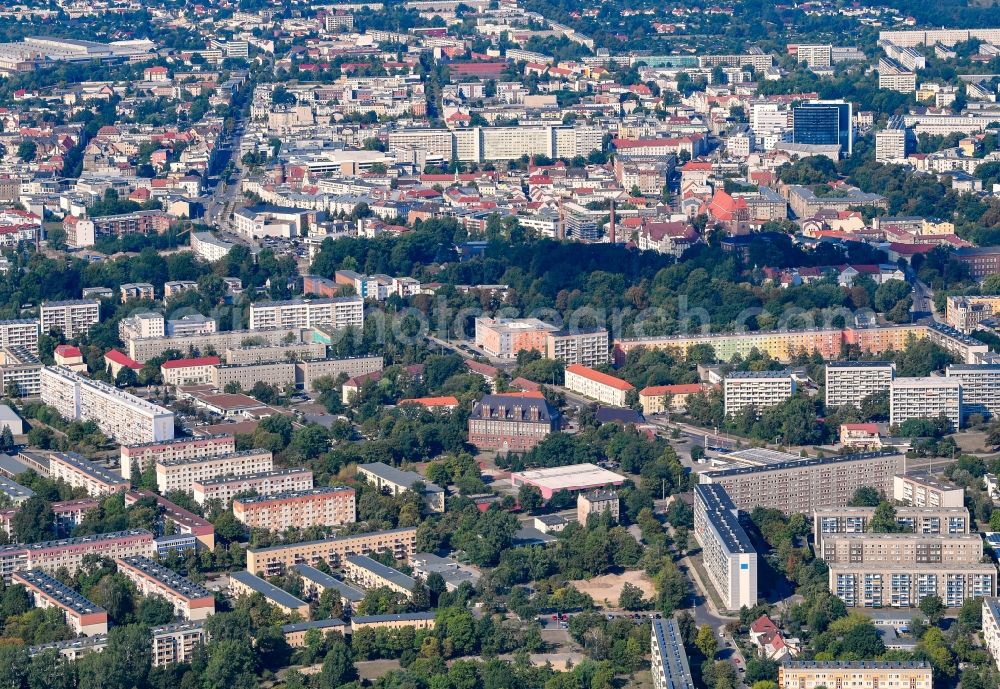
(810, 462)
(267, 589)
(13, 490)
(671, 649)
(721, 512)
(313, 624)
(323, 579)
(398, 476)
(387, 573)
(399, 617)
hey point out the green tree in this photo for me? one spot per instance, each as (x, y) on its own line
(529, 498)
(337, 667)
(231, 665)
(631, 598)
(865, 496)
(706, 641)
(34, 521)
(933, 607)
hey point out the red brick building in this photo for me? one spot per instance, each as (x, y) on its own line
(513, 422)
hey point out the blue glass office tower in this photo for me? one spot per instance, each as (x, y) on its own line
(824, 123)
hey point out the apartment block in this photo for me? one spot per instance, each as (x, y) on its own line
(82, 616)
(414, 620)
(316, 582)
(72, 317)
(894, 77)
(193, 371)
(728, 555)
(176, 643)
(849, 382)
(120, 416)
(276, 559)
(224, 488)
(925, 398)
(372, 574)
(865, 674)
(808, 484)
(980, 388)
(275, 373)
(759, 389)
(49, 556)
(143, 324)
(596, 385)
(246, 584)
(190, 601)
(20, 370)
(142, 455)
(20, 333)
(893, 548)
(921, 489)
(181, 473)
(340, 312)
(80, 472)
(295, 633)
(905, 585)
(815, 55)
(585, 347)
(396, 481)
(330, 506)
(308, 372)
(260, 354)
(965, 313)
(919, 520)
(668, 659)
(180, 520)
(171, 643)
(505, 337)
(145, 348)
(991, 628)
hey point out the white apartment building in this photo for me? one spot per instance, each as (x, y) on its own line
(20, 369)
(72, 317)
(144, 324)
(815, 55)
(587, 347)
(916, 398)
(144, 454)
(20, 333)
(980, 388)
(921, 489)
(728, 555)
(991, 628)
(191, 325)
(180, 474)
(760, 389)
(120, 416)
(341, 312)
(890, 144)
(209, 247)
(894, 77)
(849, 382)
(596, 385)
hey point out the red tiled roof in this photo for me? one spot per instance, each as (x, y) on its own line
(599, 377)
(680, 389)
(117, 357)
